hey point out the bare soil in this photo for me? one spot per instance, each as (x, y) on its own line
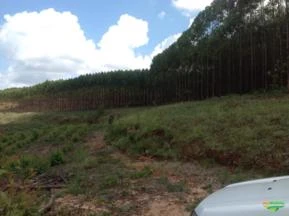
(154, 199)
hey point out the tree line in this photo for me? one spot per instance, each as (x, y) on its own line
(233, 46)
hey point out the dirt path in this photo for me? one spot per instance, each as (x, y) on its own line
(171, 190)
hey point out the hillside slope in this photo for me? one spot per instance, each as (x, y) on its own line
(160, 161)
(248, 132)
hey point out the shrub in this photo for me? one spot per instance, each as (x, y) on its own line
(56, 158)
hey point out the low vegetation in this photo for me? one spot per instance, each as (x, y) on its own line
(178, 152)
(33, 149)
(236, 131)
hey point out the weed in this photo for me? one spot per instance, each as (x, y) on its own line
(110, 181)
(17, 204)
(77, 186)
(56, 158)
(28, 166)
(145, 172)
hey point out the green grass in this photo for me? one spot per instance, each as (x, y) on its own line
(18, 204)
(54, 147)
(35, 144)
(238, 131)
(247, 134)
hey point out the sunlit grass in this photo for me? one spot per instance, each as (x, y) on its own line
(242, 131)
(9, 117)
(56, 147)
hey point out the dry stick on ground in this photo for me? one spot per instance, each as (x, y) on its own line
(49, 205)
(34, 187)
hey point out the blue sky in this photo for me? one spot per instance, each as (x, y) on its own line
(39, 40)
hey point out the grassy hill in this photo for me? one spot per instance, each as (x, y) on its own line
(108, 160)
(154, 160)
(247, 131)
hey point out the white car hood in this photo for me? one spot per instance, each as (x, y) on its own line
(253, 198)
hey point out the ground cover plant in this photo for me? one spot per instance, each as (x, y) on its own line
(138, 161)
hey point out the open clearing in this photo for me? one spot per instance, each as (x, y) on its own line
(155, 187)
(146, 161)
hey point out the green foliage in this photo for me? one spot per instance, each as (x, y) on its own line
(98, 175)
(151, 140)
(19, 205)
(34, 145)
(145, 172)
(82, 83)
(111, 181)
(28, 166)
(231, 47)
(56, 158)
(256, 126)
(233, 131)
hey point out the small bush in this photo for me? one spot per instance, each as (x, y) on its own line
(28, 166)
(56, 158)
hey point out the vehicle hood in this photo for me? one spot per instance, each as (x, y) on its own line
(257, 198)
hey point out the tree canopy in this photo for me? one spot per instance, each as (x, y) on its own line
(233, 46)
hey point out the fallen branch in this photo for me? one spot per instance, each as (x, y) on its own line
(48, 206)
(44, 187)
(34, 187)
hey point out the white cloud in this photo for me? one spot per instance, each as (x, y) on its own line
(192, 19)
(162, 15)
(52, 45)
(118, 43)
(165, 44)
(191, 5)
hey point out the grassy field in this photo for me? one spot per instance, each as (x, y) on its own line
(132, 161)
(37, 150)
(247, 132)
